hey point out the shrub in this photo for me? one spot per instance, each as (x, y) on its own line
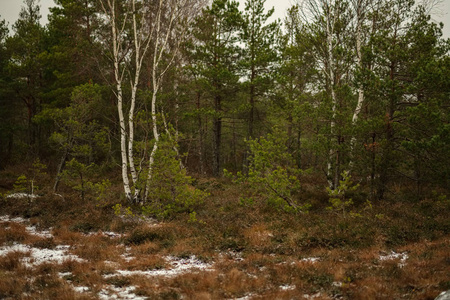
(171, 189)
(339, 196)
(272, 174)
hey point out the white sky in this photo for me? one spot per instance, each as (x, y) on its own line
(9, 10)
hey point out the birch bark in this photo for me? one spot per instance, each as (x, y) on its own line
(162, 47)
(358, 6)
(109, 9)
(329, 36)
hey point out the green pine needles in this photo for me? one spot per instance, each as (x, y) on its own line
(272, 174)
(171, 189)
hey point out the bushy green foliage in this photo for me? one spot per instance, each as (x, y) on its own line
(78, 176)
(102, 191)
(37, 171)
(272, 173)
(339, 196)
(170, 189)
(75, 176)
(21, 184)
(119, 210)
(27, 184)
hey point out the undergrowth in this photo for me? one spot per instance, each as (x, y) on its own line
(257, 250)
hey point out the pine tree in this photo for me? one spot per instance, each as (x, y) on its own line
(215, 60)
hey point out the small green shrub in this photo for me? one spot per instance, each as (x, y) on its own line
(171, 190)
(21, 184)
(272, 174)
(75, 175)
(339, 196)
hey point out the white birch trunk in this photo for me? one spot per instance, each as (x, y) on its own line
(161, 45)
(118, 76)
(155, 85)
(359, 19)
(140, 52)
(141, 47)
(329, 33)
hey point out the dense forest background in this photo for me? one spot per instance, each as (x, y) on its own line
(153, 91)
(191, 149)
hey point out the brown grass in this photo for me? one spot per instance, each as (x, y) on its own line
(144, 263)
(255, 250)
(97, 248)
(11, 232)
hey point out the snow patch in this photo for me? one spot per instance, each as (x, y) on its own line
(287, 287)
(112, 292)
(21, 196)
(7, 218)
(337, 283)
(39, 256)
(112, 234)
(310, 259)
(64, 274)
(178, 267)
(109, 234)
(81, 289)
(316, 295)
(246, 297)
(43, 233)
(394, 255)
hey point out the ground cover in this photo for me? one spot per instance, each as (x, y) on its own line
(64, 248)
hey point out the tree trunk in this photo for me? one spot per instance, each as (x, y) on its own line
(217, 136)
(332, 152)
(59, 170)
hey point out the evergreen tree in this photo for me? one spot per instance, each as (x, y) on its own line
(7, 107)
(258, 56)
(295, 73)
(27, 68)
(215, 60)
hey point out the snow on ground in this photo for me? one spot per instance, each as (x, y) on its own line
(317, 295)
(310, 259)
(111, 292)
(236, 256)
(38, 256)
(7, 218)
(394, 255)
(42, 233)
(81, 289)
(287, 287)
(178, 266)
(109, 234)
(246, 297)
(21, 196)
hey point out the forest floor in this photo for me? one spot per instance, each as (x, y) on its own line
(57, 247)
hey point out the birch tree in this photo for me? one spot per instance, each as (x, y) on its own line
(329, 19)
(151, 26)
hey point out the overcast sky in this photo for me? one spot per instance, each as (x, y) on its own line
(9, 10)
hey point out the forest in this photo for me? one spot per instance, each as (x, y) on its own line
(302, 158)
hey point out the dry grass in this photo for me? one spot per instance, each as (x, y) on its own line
(255, 251)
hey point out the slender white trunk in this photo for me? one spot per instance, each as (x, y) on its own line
(155, 145)
(161, 44)
(138, 57)
(155, 81)
(359, 63)
(359, 4)
(329, 33)
(172, 138)
(123, 147)
(118, 76)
